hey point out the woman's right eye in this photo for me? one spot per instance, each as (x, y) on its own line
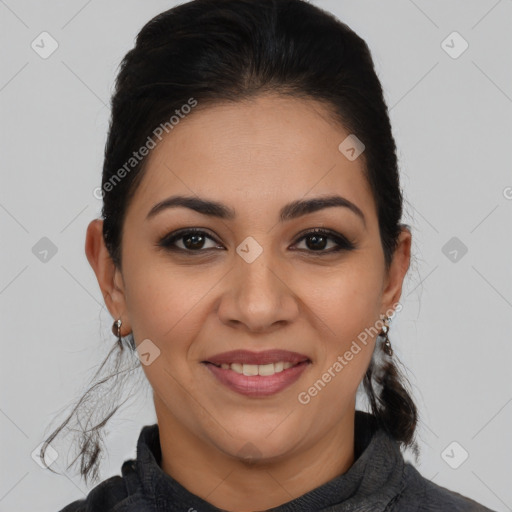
(191, 240)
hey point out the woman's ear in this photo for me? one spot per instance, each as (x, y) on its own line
(110, 278)
(392, 288)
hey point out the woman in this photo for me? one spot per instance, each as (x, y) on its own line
(251, 253)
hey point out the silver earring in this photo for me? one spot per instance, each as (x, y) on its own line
(116, 329)
(386, 344)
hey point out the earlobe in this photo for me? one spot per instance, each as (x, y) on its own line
(104, 268)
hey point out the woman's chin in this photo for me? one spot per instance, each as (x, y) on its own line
(255, 448)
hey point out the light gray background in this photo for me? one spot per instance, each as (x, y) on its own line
(452, 122)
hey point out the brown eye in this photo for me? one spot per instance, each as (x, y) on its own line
(318, 239)
(192, 240)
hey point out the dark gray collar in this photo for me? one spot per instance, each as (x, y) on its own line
(374, 479)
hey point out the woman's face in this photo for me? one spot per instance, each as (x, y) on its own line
(251, 281)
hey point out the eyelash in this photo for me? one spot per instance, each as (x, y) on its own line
(167, 242)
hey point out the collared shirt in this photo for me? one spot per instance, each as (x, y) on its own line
(379, 480)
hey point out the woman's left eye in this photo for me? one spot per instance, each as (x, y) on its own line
(319, 239)
(316, 241)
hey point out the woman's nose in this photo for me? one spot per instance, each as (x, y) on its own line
(256, 294)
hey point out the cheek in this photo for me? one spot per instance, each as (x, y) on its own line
(164, 302)
(348, 298)
(166, 306)
(346, 308)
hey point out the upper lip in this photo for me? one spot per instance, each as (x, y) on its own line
(264, 357)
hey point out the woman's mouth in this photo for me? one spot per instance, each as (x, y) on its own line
(257, 380)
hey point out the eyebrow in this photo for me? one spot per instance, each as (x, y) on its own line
(290, 211)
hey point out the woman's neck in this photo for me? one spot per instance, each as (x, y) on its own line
(232, 484)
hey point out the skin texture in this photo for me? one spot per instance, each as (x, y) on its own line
(255, 157)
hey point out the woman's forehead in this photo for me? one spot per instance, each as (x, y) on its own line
(259, 148)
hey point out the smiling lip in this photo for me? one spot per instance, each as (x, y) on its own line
(257, 385)
(260, 358)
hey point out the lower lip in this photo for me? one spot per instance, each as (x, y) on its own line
(258, 385)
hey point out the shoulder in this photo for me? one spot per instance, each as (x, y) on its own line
(111, 494)
(422, 495)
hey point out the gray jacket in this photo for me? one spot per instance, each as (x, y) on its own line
(378, 481)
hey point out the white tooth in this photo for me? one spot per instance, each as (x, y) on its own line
(254, 369)
(250, 369)
(237, 367)
(224, 366)
(266, 369)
